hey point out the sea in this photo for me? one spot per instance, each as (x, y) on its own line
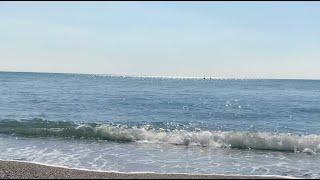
(162, 125)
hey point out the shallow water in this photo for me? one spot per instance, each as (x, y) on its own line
(128, 124)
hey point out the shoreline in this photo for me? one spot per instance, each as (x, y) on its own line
(22, 169)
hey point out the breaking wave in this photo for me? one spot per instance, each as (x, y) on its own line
(218, 139)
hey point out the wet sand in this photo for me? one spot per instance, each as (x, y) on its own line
(24, 170)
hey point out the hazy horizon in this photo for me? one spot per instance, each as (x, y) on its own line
(270, 40)
(163, 77)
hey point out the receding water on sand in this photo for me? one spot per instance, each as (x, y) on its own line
(159, 158)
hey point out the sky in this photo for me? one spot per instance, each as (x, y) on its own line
(185, 39)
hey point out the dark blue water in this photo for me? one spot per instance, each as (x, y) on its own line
(257, 105)
(226, 115)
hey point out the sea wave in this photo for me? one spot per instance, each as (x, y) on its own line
(147, 133)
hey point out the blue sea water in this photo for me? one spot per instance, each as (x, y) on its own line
(166, 125)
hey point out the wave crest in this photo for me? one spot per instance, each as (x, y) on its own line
(218, 139)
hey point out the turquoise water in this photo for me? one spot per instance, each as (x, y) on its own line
(136, 124)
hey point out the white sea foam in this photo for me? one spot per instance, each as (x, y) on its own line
(244, 140)
(309, 144)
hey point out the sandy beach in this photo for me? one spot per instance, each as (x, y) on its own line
(23, 170)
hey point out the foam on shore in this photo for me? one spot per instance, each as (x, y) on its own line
(22, 169)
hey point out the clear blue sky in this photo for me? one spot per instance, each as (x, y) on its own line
(225, 39)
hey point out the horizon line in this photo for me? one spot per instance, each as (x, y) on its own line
(206, 77)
